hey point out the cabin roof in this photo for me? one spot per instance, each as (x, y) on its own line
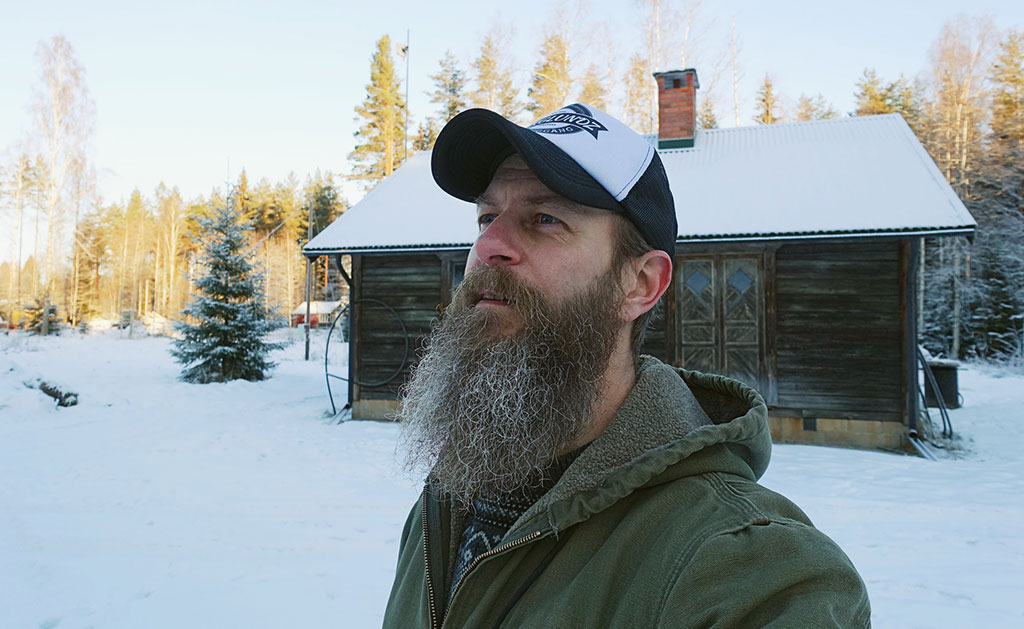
(844, 177)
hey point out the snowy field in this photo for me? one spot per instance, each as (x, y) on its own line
(154, 503)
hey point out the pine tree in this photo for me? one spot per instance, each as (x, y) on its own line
(640, 90)
(767, 103)
(706, 118)
(551, 77)
(898, 97)
(594, 93)
(816, 108)
(328, 204)
(449, 85)
(379, 149)
(222, 337)
(1007, 77)
(494, 88)
(425, 136)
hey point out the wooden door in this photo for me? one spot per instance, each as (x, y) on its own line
(720, 306)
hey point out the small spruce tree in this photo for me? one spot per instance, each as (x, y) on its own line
(222, 337)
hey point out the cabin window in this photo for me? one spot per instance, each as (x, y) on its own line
(720, 310)
(457, 268)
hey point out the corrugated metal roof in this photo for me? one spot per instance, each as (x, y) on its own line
(407, 210)
(848, 177)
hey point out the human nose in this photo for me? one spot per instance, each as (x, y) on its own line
(499, 243)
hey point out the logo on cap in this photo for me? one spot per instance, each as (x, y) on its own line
(571, 119)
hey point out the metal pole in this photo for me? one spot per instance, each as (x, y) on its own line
(405, 132)
(309, 273)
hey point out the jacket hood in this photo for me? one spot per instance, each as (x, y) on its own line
(674, 423)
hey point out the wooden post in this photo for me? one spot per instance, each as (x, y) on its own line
(44, 323)
(309, 274)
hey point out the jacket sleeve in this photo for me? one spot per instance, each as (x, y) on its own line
(769, 574)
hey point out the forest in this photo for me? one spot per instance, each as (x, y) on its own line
(79, 259)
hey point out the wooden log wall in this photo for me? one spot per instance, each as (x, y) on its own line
(839, 338)
(416, 286)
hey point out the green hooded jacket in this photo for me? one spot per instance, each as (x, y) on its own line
(658, 523)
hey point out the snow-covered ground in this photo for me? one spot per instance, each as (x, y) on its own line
(154, 503)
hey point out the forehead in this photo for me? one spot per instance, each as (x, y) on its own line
(515, 174)
(513, 178)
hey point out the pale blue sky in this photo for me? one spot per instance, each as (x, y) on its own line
(184, 89)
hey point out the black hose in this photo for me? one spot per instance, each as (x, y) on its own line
(389, 379)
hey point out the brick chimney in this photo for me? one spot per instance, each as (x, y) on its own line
(677, 108)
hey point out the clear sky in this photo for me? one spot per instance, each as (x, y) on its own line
(189, 92)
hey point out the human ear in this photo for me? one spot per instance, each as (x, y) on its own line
(645, 280)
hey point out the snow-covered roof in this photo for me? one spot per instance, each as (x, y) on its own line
(316, 307)
(407, 210)
(853, 176)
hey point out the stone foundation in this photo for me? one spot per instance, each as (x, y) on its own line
(851, 433)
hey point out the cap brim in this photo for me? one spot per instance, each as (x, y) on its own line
(474, 143)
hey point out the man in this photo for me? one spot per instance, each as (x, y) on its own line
(572, 482)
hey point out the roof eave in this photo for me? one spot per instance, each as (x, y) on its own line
(961, 230)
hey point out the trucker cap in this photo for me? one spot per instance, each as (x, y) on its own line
(580, 152)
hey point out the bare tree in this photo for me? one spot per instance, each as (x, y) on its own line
(954, 127)
(734, 62)
(19, 180)
(63, 125)
(960, 60)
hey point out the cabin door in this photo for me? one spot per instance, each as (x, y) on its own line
(720, 308)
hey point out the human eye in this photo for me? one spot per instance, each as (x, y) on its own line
(547, 219)
(483, 220)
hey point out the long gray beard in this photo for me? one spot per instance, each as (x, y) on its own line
(486, 412)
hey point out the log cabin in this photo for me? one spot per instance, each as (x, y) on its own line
(796, 267)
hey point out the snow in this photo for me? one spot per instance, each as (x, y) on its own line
(839, 177)
(845, 175)
(156, 503)
(405, 210)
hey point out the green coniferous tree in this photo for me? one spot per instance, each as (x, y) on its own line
(706, 118)
(426, 134)
(1007, 77)
(816, 108)
(223, 334)
(328, 204)
(379, 149)
(767, 103)
(494, 87)
(594, 92)
(899, 97)
(449, 85)
(640, 89)
(551, 77)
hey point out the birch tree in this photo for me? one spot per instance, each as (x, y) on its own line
(953, 131)
(63, 118)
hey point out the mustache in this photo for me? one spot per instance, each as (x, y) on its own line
(495, 281)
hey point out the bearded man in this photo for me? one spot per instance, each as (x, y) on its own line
(572, 482)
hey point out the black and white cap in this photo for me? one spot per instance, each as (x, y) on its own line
(580, 152)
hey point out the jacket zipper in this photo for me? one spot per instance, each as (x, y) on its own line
(500, 549)
(426, 563)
